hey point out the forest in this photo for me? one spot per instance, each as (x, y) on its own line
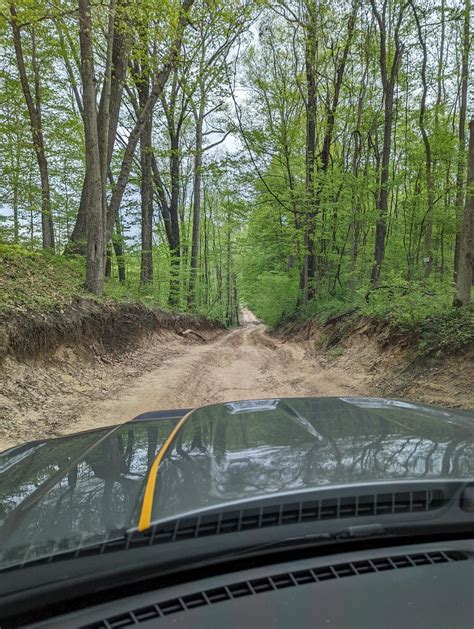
(301, 157)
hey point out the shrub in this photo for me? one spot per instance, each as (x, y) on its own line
(406, 303)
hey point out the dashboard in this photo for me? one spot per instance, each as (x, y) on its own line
(423, 585)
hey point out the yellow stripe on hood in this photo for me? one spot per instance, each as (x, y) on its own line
(144, 522)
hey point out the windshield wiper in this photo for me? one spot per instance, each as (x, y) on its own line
(351, 532)
(355, 533)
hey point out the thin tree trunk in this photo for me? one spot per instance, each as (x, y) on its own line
(146, 190)
(108, 261)
(389, 78)
(308, 272)
(146, 183)
(16, 170)
(35, 117)
(466, 254)
(192, 296)
(461, 168)
(117, 242)
(428, 222)
(175, 245)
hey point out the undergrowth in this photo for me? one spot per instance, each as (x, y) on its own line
(418, 308)
(31, 280)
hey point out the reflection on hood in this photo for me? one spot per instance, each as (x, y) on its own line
(66, 492)
(229, 452)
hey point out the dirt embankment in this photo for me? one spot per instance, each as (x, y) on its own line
(112, 325)
(386, 362)
(56, 365)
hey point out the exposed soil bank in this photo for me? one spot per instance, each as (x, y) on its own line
(386, 362)
(55, 365)
(113, 325)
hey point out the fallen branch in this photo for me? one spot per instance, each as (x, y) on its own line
(340, 316)
(186, 333)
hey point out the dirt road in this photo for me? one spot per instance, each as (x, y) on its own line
(245, 363)
(168, 372)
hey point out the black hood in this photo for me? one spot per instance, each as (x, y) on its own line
(65, 492)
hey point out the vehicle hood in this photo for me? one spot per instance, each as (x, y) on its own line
(63, 492)
(244, 450)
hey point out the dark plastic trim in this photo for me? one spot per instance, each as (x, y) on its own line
(260, 585)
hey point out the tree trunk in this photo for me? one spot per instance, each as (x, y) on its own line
(35, 117)
(95, 242)
(308, 272)
(389, 78)
(428, 222)
(466, 257)
(461, 167)
(108, 261)
(174, 117)
(192, 296)
(146, 269)
(146, 185)
(117, 242)
(175, 246)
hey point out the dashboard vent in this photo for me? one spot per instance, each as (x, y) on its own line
(295, 513)
(274, 582)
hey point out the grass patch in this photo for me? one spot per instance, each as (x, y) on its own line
(39, 281)
(336, 352)
(31, 280)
